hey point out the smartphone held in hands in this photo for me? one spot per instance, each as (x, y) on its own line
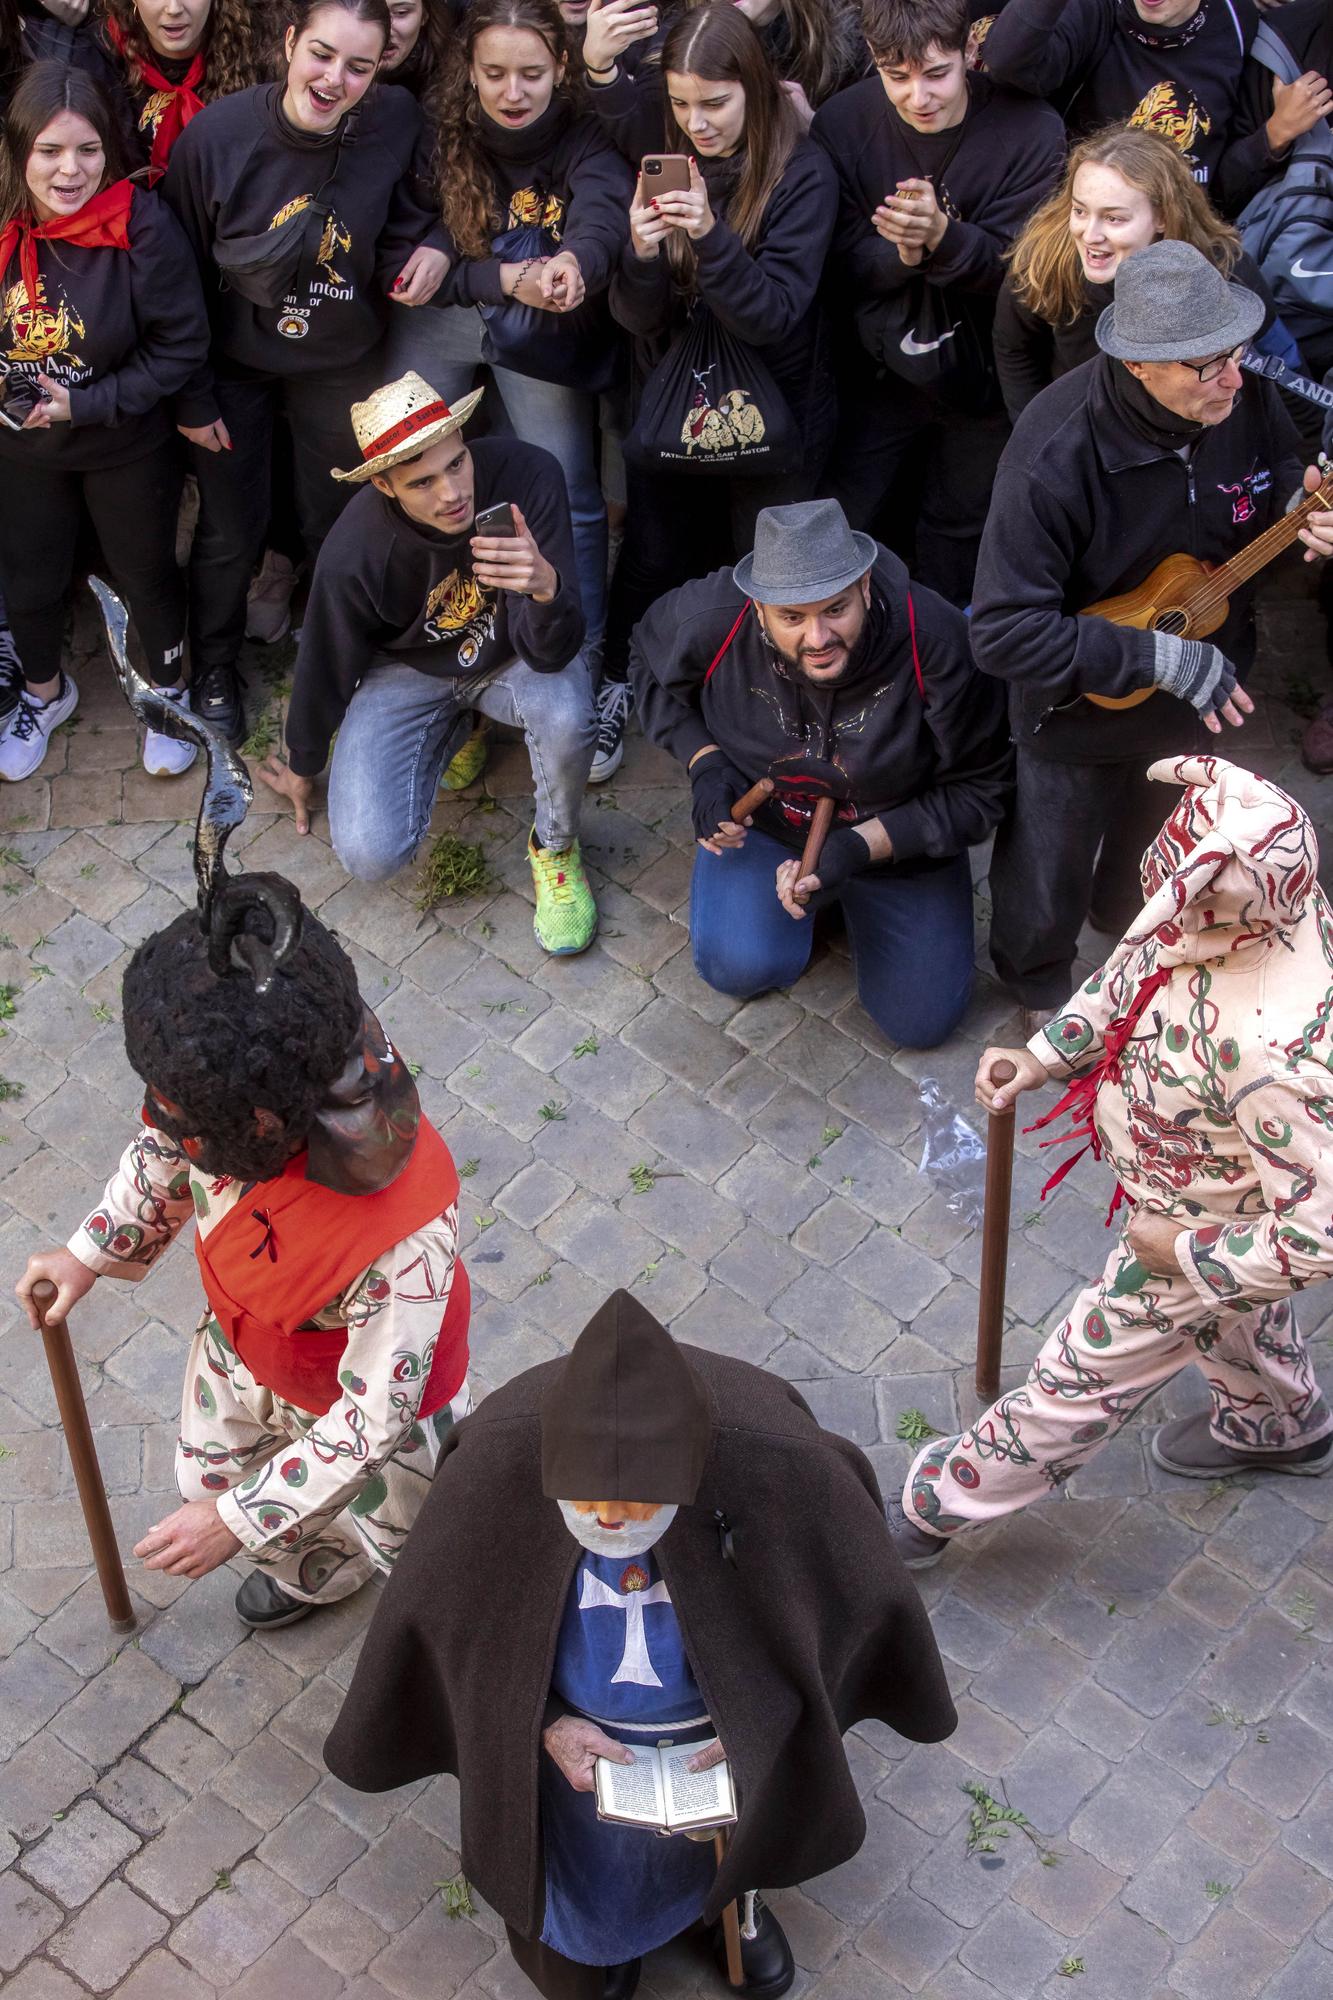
(496, 521)
(662, 173)
(19, 397)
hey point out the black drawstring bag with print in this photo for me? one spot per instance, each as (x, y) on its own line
(711, 408)
(577, 350)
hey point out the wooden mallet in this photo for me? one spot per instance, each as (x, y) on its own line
(995, 1238)
(751, 801)
(83, 1457)
(820, 822)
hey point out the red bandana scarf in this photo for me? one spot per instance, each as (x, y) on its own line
(103, 222)
(185, 101)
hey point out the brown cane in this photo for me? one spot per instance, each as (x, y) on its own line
(731, 1927)
(751, 801)
(820, 822)
(83, 1458)
(995, 1238)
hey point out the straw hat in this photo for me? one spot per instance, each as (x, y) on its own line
(402, 419)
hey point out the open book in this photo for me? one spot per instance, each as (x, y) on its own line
(658, 1790)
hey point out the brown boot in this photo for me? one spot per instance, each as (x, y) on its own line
(1189, 1449)
(1317, 742)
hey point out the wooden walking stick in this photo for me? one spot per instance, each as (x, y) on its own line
(751, 801)
(83, 1456)
(731, 1924)
(995, 1238)
(820, 822)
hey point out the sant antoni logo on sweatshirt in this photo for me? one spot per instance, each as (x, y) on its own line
(1177, 115)
(461, 608)
(36, 332)
(335, 242)
(530, 205)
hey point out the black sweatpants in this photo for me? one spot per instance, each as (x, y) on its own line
(133, 509)
(1072, 844)
(236, 488)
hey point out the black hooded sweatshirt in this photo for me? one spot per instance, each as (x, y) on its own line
(240, 164)
(930, 760)
(388, 592)
(1103, 65)
(1305, 27)
(1086, 503)
(563, 171)
(122, 330)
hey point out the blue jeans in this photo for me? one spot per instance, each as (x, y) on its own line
(911, 937)
(443, 343)
(399, 727)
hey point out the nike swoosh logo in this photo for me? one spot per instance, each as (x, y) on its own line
(911, 345)
(1298, 270)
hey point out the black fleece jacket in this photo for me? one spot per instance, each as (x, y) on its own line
(561, 170)
(989, 175)
(1030, 353)
(387, 592)
(1084, 507)
(122, 330)
(239, 165)
(1103, 65)
(768, 296)
(1305, 29)
(934, 771)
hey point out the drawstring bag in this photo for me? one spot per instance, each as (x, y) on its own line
(577, 349)
(916, 335)
(710, 407)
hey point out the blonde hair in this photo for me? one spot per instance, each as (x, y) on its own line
(1044, 265)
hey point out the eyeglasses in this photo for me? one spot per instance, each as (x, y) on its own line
(1208, 371)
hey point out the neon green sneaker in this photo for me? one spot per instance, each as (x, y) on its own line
(467, 766)
(566, 919)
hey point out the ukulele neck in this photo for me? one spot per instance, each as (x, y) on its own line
(1212, 595)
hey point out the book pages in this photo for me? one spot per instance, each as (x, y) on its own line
(696, 1798)
(631, 1791)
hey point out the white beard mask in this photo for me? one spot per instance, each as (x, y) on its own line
(635, 1538)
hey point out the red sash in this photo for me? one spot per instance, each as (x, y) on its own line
(103, 222)
(290, 1246)
(185, 102)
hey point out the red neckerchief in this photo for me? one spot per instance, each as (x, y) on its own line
(185, 103)
(103, 222)
(1080, 1100)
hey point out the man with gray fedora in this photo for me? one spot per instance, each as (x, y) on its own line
(817, 664)
(1156, 447)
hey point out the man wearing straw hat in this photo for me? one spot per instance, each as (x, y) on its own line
(817, 664)
(415, 620)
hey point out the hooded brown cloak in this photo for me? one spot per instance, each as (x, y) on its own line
(815, 1626)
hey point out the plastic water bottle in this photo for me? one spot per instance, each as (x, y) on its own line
(953, 1157)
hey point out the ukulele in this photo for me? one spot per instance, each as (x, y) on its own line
(1191, 598)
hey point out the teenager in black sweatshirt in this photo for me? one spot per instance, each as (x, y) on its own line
(937, 173)
(863, 687)
(101, 311)
(163, 60)
(743, 251)
(535, 198)
(415, 617)
(1173, 66)
(295, 339)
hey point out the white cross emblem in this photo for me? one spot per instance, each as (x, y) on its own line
(635, 1664)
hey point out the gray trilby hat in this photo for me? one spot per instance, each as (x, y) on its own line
(802, 554)
(1173, 304)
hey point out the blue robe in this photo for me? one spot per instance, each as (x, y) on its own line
(614, 1892)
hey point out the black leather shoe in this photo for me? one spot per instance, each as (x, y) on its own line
(766, 1958)
(621, 1980)
(216, 696)
(263, 1605)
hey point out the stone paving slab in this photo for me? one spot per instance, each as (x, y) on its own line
(1140, 1666)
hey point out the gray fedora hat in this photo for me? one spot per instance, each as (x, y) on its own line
(802, 554)
(1173, 304)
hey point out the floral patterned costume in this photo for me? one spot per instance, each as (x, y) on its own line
(1204, 1048)
(320, 1496)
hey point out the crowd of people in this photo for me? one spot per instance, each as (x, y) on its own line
(821, 365)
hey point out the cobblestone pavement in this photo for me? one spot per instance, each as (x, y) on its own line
(1140, 1665)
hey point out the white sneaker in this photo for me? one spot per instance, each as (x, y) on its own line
(167, 756)
(613, 706)
(28, 728)
(268, 604)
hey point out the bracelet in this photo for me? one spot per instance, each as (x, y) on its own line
(591, 70)
(523, 270)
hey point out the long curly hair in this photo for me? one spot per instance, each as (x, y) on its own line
(43, 92)
(1044, 265)
(827, 45)
(218, 1050)
(718, 43)
(233, 50)
(466, 184)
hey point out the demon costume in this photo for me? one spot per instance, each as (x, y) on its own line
(332, 1356)
(764, 1606)
(1202, 1053)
